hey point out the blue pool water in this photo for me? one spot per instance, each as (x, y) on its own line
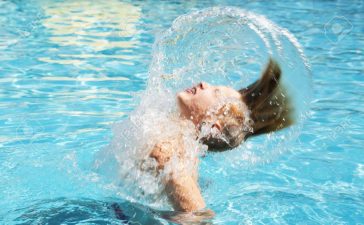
(69, 70)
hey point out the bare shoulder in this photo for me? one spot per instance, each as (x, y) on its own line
(163, 151)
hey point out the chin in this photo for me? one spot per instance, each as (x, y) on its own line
(182, 98)
(182, 105)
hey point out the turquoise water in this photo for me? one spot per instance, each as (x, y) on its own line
(69, 70)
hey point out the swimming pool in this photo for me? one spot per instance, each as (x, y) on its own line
(70, 70)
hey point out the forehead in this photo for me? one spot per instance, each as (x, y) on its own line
(227, 91)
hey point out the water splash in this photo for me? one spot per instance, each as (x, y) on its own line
(231, 46)
(221, 45)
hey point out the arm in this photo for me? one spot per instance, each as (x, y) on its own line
(184, 193)
(181, 187)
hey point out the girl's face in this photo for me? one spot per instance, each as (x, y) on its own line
(196, 101)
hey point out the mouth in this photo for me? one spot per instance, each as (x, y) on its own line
(191, 90)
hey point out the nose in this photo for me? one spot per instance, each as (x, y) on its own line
(203, 85)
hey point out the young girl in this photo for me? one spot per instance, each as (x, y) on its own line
(222, 118)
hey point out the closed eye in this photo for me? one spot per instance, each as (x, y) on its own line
(218, 91)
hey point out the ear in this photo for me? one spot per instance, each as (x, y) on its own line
(217, 125)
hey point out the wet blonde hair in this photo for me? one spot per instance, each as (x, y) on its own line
(268, 107)
(235, 125)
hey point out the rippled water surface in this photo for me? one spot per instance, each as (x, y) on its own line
(69, 70)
